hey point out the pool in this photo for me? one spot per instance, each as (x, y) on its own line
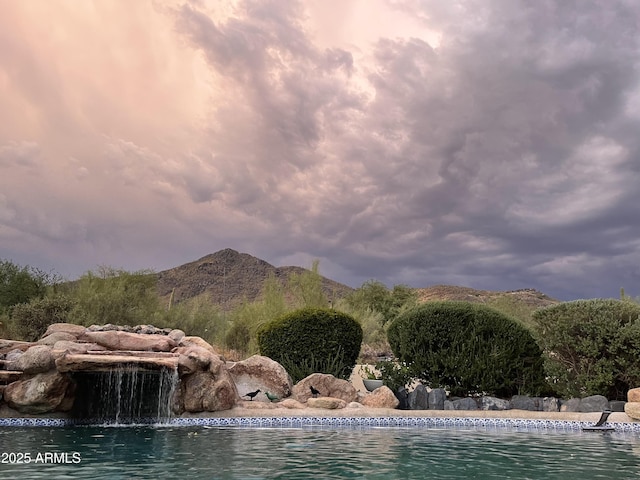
(265, 449)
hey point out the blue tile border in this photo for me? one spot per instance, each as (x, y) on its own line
(345, 422)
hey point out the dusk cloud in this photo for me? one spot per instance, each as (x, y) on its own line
(485, 143)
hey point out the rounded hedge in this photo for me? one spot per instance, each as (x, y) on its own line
(469, 349)
(592, 347)
(312, 340)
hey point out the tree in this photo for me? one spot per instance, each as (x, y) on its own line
(21, 284)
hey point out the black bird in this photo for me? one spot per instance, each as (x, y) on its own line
(314, 392)
(252, 394)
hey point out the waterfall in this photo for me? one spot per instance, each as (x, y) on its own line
(125, 395)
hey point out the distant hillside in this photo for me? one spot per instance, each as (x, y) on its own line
(526, 296)
(519, 304)
(228, 277)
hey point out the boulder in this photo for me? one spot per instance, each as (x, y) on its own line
(633, 395)
(101, 362)
(437, 397)
(493, 403)
(594, 403)
(327, 385)
(11, 359)
(632, 409)
(257, 405)
(291, 404)
(70, 328)
(328, 403)
(465, 404)
(116, 340)
(176, 335)
(381, 397)
(259, 372)
(550, 404)
(354, 405)
(195, 341)
(571, 405)
(42, 393)
(524, 402)
(617, 405)
(51, 339)
(193, 359)
(75, 347)
(37, 359)
(419, 398)
(206, 392)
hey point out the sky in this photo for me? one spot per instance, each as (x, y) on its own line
(493, 144)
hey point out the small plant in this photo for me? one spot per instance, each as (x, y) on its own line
(395, 375)
(370, 374)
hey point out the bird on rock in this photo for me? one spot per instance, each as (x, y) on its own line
(252, 394)
(314, 392)
(271, 396)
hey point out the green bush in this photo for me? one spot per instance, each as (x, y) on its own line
(315, 339)
(469, 349)
(592, 347)
(30, 320)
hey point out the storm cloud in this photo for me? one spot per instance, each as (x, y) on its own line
(486, 143)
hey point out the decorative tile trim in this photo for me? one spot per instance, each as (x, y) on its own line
(344, 422)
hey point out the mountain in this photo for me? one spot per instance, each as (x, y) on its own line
(228, 277)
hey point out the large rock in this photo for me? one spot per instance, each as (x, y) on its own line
(83, 362)
(633, 395)
(550, 404)
(437, 397)
(75, 347)
(419, 398)
(116, 340)
(292, 404)
(206, 392)
(328, 403)
(42, 393)
(37, 359)
(466, 403)
(524, 402)
(194, 358)
(570, 405)
(70, 328)
(258, 372)
(327, 385)
(11, 358)
(632, 409)
(51, 340)
(381, 397)
(195, 341)
(594, 403)
(493, 403)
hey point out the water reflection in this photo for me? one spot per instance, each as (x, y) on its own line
(372, 453)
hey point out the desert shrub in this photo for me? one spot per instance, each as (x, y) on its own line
(30, 320)
(114, 296)
(318, 339)
(592, 347)
(469, 349)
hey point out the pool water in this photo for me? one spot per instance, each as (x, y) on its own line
(159, 452)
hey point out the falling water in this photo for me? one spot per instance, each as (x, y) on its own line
(125, 395)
